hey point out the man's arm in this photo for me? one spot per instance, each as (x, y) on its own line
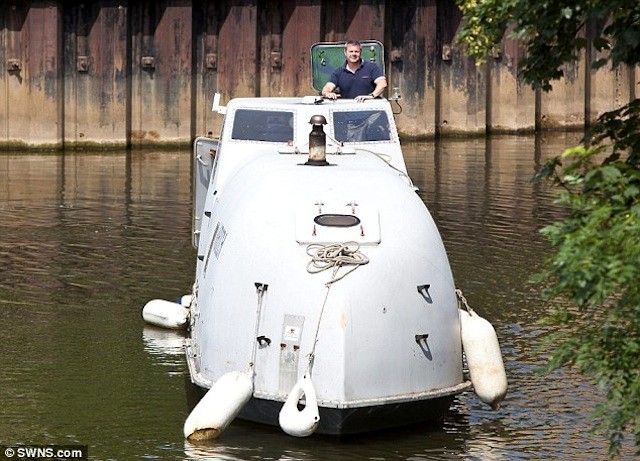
(381, 84)
(327, 91)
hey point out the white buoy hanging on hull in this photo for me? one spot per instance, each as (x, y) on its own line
(165, 314)
(185, 300)
(484, 359)
(219, 406)
(300, 423)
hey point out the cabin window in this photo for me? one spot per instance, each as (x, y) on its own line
(361, 125)
(262, 125)
(337, 220)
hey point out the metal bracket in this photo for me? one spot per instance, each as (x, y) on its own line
(496, 51)
(82, 64)
(422, 337)
(446, 52)
(424, 292)
(323, 60)
(211, 61)
(263, 340)
(148, 62)
(421, 340)
(276, 59)
(13, 65)
(261, 287)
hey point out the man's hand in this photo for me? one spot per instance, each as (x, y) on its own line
(364, 97)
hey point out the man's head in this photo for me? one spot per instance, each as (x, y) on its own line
(352, 50)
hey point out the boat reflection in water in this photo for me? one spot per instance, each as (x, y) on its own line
(418, 442)
(162, 343)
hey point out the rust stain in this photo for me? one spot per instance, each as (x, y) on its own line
(138, 135)
(141, 135)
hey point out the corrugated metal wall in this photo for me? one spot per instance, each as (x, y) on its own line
(110, 72)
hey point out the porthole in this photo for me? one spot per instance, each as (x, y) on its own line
(336, 220)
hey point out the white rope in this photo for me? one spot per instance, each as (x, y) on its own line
(324, 257)
(463, 300)
(336, 255)
(193, 306)
(387, 159)
(315, 337)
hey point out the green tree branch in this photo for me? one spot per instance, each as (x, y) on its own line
(592, 278)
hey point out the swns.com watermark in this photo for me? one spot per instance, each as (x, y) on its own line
(43, 452)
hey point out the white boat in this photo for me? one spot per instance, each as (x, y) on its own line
(321, 278)
(382, 344)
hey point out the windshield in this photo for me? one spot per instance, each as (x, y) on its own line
(262, 125)
(361, 125)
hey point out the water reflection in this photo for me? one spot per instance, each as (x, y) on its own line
(86, 240)
(455, 439)
(165, 346)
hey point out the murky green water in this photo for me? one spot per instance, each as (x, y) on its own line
(86, 240)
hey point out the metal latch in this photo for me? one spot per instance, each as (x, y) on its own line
(211, 61)
(82, 64)
(13, 65)
(276, 59)
(148, 62)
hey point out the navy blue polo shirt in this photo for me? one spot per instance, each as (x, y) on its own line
(359, 83)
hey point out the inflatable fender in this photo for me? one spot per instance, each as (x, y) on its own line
(484, 359)
(165, 314)
(300, 423)
(185, 300)
(219, 406)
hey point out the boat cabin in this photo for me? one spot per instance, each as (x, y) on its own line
(254, 127)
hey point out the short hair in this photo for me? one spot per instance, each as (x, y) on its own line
(352, 42)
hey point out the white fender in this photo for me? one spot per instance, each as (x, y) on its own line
(481, 347)
(219, 406)
(165, 314)
(300, 423)
(185, 300)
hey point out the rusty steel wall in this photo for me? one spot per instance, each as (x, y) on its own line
(161, 71)
(30, 92)
(117, 72)
(95, 73)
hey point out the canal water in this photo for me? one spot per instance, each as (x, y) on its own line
(87, 239)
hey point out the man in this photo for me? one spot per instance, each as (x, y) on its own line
(357, 79)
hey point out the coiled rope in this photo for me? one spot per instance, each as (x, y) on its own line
(335, 256)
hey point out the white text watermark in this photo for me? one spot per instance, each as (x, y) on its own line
(43, 452)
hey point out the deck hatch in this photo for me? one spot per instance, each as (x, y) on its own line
(336, 220)
(327, 223)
